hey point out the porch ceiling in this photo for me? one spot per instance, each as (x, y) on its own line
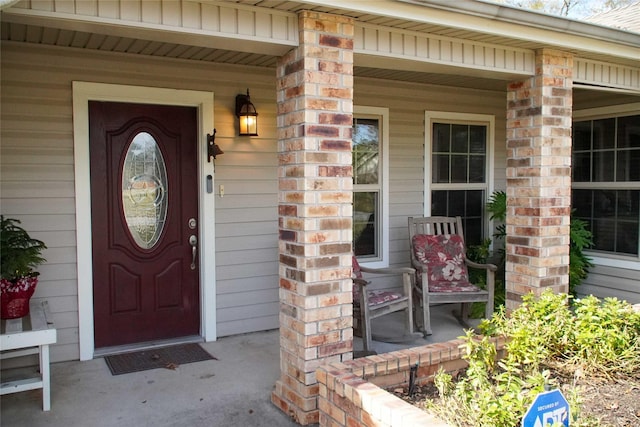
(34, 24)
(24, 33)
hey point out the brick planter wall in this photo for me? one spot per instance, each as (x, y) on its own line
(352, 393)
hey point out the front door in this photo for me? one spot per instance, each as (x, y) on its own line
(144, 215)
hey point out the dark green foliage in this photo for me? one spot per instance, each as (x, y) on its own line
(497, 207)
(579, 263)
(19, 252)
(482, 254)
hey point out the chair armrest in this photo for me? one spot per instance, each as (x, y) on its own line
(491, 267)
(419, 267)
(360, 282)
(396, 270)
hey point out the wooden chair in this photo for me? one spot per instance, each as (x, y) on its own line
(438, 254)
(368, 305)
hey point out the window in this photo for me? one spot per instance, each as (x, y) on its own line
(458, 154)
(606, 181)
(370, 178)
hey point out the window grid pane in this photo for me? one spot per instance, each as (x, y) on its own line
(459, 156)
(607, 151)
(459, 153)
(468, 204)
(613, 216)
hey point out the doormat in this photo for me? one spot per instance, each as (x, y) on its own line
(162, 357)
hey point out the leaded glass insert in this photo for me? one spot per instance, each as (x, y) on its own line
(144, 190)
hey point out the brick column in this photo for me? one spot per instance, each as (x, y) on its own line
(315, 106)
(539, 178)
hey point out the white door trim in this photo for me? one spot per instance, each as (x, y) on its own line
(83, 92)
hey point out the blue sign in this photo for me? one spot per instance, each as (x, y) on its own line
(548, 409)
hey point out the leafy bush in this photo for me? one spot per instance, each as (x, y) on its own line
(580, 239)
(591, 336)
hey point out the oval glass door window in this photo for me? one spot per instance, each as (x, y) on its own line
(144, 190)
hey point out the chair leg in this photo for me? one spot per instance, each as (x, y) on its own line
(465, 310)
(365, 327)
(418, 321)
(408, 327)
(426, 315)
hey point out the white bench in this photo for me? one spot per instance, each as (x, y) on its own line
(27, 335)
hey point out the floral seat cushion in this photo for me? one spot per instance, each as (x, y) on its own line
(443, 255)
(373, 297)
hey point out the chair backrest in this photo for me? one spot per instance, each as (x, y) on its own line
(435, 225)
(357, 273)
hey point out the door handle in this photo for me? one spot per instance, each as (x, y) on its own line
(193, 241)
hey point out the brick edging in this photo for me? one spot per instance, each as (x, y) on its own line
(352, 393)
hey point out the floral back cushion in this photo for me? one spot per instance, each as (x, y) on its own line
(443, 255)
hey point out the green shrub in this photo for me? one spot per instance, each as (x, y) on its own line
(580, 239)
(598, 337)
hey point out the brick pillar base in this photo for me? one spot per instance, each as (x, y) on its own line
(315, 92)
(539, 178)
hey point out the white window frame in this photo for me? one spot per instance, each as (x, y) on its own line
(601, 258)
(488, 120)
(383, 187)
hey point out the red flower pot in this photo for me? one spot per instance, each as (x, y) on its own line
(15, 296)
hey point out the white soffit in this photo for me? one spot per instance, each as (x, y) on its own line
(373, 42)
(214, 25)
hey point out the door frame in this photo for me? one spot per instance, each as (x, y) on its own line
(83, 92)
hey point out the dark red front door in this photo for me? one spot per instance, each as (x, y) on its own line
(144, 213)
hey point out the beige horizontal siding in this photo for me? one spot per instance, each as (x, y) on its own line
(604, 281)
(37, 176)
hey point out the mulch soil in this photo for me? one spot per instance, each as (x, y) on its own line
(615, 402)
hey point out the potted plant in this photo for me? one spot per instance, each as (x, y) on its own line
(20, 255)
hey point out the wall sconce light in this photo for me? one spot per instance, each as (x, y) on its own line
(247, 116)
(213, 149)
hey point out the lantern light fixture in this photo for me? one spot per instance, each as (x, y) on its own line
(247, 116)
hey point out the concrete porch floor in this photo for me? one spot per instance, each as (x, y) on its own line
(234, 390)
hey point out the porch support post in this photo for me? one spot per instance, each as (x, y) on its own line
(315, 106)
(539, 178)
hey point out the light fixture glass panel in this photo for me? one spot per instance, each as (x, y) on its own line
(248, 125)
